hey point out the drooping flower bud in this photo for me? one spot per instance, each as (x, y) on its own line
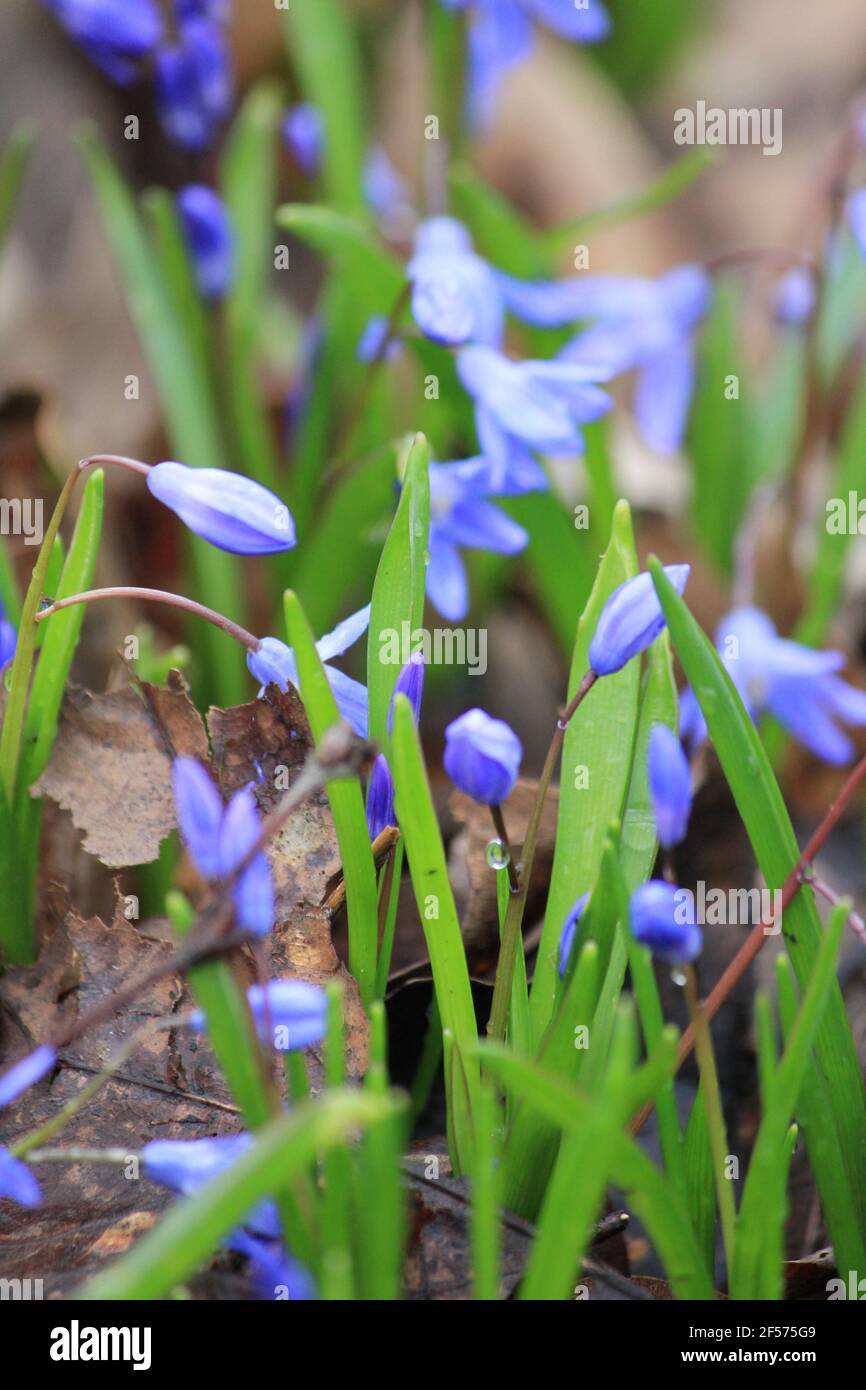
(663, 918)
(482, 756)
(631, 619)
(229, 510)
(566, 941)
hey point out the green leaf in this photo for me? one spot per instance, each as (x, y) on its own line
(599, 740)
(249, 185)
(700, 1182)
(323, 44)
(662, 190)
(499, 231)
(185, 397)
(346, 802)
(763, 1208)
(398, 591)
(379, 276)
(13, 164)
(191, 1229)
(762, 809)
(429, 870)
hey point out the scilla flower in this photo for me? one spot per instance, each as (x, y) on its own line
(304, 134)
(794, 297)
(210, 239)
(529, 405)
(275, 662)
(218, 839)
(115, 34)
(482, 756)
(17, 1182)
(229, 510)
(461, 515)
(380, 790)
(569, 931)
(8, 638)
(291, 1014)
(670, 784)
(798, 685)
(193, 83)
(663, 918)
(455, 295)
(631, 619)
(501, 35)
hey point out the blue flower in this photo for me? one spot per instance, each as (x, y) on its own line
(275, 1274)
(529, 405)
(210, 238)
(569, 930)
(275, 662)
(115, 34)
(219, 837)
(631, 619)
(670, 784)
(229, 510)
(644, 324)
(410, 683)
(855, 211)
(380, 798)
(794, 297)
(8, 638)
(185, 1165)
(482, 756)
(461, 515)
(27, 1072)
(455, 294)
(663, 918)
(304, 133)
(16, 1181)
(501, 35)
(798, 685)
(292, 1012)
(193, 84)
(218, 11)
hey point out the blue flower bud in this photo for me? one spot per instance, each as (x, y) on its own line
(291, 1014)
(16, 1181)
(115, 34)
(26, 1073)
(193, 84)
(304, 133)
(566, 941)
(8, 639)
(199, 813)
(210, 239)
(482, 756)
(410, 683)
(663, 918)
(670, 784)
(631, 619)
(186, 1165)
(273, 663)
(380, 798)
(227, 509)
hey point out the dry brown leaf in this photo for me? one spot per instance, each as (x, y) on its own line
(111, 766)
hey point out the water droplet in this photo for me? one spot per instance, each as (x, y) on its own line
(498, 855)
(678, 976)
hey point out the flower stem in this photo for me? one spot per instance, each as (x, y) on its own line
(715, 1116)
(189, 605)
(517, 901)
(501, 831)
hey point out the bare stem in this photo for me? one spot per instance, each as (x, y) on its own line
(712, 1100)
(189, 605)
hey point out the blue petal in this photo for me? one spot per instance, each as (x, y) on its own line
(231, 511)
(555, 303)
(26, 1073)
(410, 683)
(351, 699)
(380, 798)
(447, 586)
(482, 756)
(670, 784)
(662, 918)
(294, 1010)
(344, 635)
(631, 619)
(304, 133)
(500, 36)
(17, 1182)
(385, 191)
(664, 391)
(482, 526)
(199, 813)
(273, 662)
(522, 406)
(587, 22)
(856, 212)
(253, 894)
(569, 931)
(455, 295)
(794, 297)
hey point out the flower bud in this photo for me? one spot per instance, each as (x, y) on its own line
(229, 510)
(631, 619)
(482, 756)
(210, 239)
(380, 798)
(566, 941)
(663, 918)
(670, 784)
